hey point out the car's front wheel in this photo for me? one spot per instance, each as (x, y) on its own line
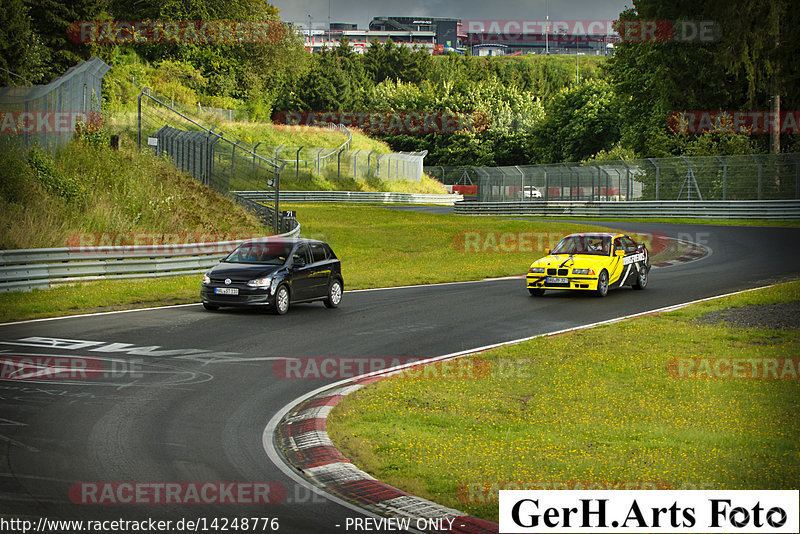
(602, 284)
(281, 300)
(334, 294)
(210, 307)
(536, 292)
(641, 282)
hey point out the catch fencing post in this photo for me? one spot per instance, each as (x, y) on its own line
(297, 163)
(724, 177)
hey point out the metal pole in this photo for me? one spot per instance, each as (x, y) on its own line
(658, 174)
(254, 155)
(797, 179)
(297, 163)
(759, 174)
(139, 125)
(724, 177)
(278, 197)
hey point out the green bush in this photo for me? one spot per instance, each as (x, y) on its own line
(44, 169)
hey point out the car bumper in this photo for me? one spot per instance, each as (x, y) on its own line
(580, 283)
(246, 297)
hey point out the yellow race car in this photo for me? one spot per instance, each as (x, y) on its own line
(593, 262)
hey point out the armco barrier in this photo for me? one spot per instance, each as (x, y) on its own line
(714, 209)
(345, 197)
(23, 270)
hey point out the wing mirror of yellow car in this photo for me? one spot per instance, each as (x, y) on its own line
(619, 253)
(546, 251)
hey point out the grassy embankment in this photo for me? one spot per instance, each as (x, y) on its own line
(378, 248)
(183, 87)
(598, 409)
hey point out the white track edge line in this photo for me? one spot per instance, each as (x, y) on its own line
(269, 431)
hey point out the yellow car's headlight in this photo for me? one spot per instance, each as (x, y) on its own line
(537, 270)
(582, 271)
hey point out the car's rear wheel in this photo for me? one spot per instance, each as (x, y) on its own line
(602, 284)
(281, 305)
(334, 294)
(536, 292)
(641, 281)
(210, 307)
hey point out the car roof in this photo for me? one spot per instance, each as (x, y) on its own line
(279, 239)
(596, 234)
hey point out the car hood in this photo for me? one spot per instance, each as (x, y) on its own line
(579, 261)
(243, 271)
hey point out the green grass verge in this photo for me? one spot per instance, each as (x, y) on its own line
(378, 247)
(595, 407)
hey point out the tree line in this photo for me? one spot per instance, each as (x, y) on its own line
(536, 109)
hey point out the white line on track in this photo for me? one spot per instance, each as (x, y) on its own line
(277, 459)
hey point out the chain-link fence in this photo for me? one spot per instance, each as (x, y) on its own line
(345, 162)
(213, 159)
(47, 114)
(746, 177)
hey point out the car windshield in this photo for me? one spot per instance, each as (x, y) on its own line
(261, 252)
(599, 245)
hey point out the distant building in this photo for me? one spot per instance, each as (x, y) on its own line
(489, 50)
(440, 35)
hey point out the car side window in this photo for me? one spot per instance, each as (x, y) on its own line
(301, 253)
(329, 252)
(618, 244)
(318, 252)
(629, 244)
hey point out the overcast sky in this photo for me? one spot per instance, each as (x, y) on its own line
(361, 12)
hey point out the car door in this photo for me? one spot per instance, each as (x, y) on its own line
(301, 270)
(632, 258)
(320, 270)
(616, 269)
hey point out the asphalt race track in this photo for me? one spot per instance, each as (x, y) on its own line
(191, 391)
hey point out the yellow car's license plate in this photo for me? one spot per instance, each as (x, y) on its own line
(557, 280)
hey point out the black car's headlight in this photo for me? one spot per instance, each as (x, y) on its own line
(261, 283)
(206, 279)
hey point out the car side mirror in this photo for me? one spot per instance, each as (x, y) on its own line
(547, 251)
(298, 261)
(619, 253)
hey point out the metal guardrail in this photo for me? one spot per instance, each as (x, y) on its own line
(344, 197)
(713, 209)
(23, 270)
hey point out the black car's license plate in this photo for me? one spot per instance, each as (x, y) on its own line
(226, 290)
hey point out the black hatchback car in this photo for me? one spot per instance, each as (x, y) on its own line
(274, 272)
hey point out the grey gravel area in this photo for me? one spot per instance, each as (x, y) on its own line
(781, 316)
